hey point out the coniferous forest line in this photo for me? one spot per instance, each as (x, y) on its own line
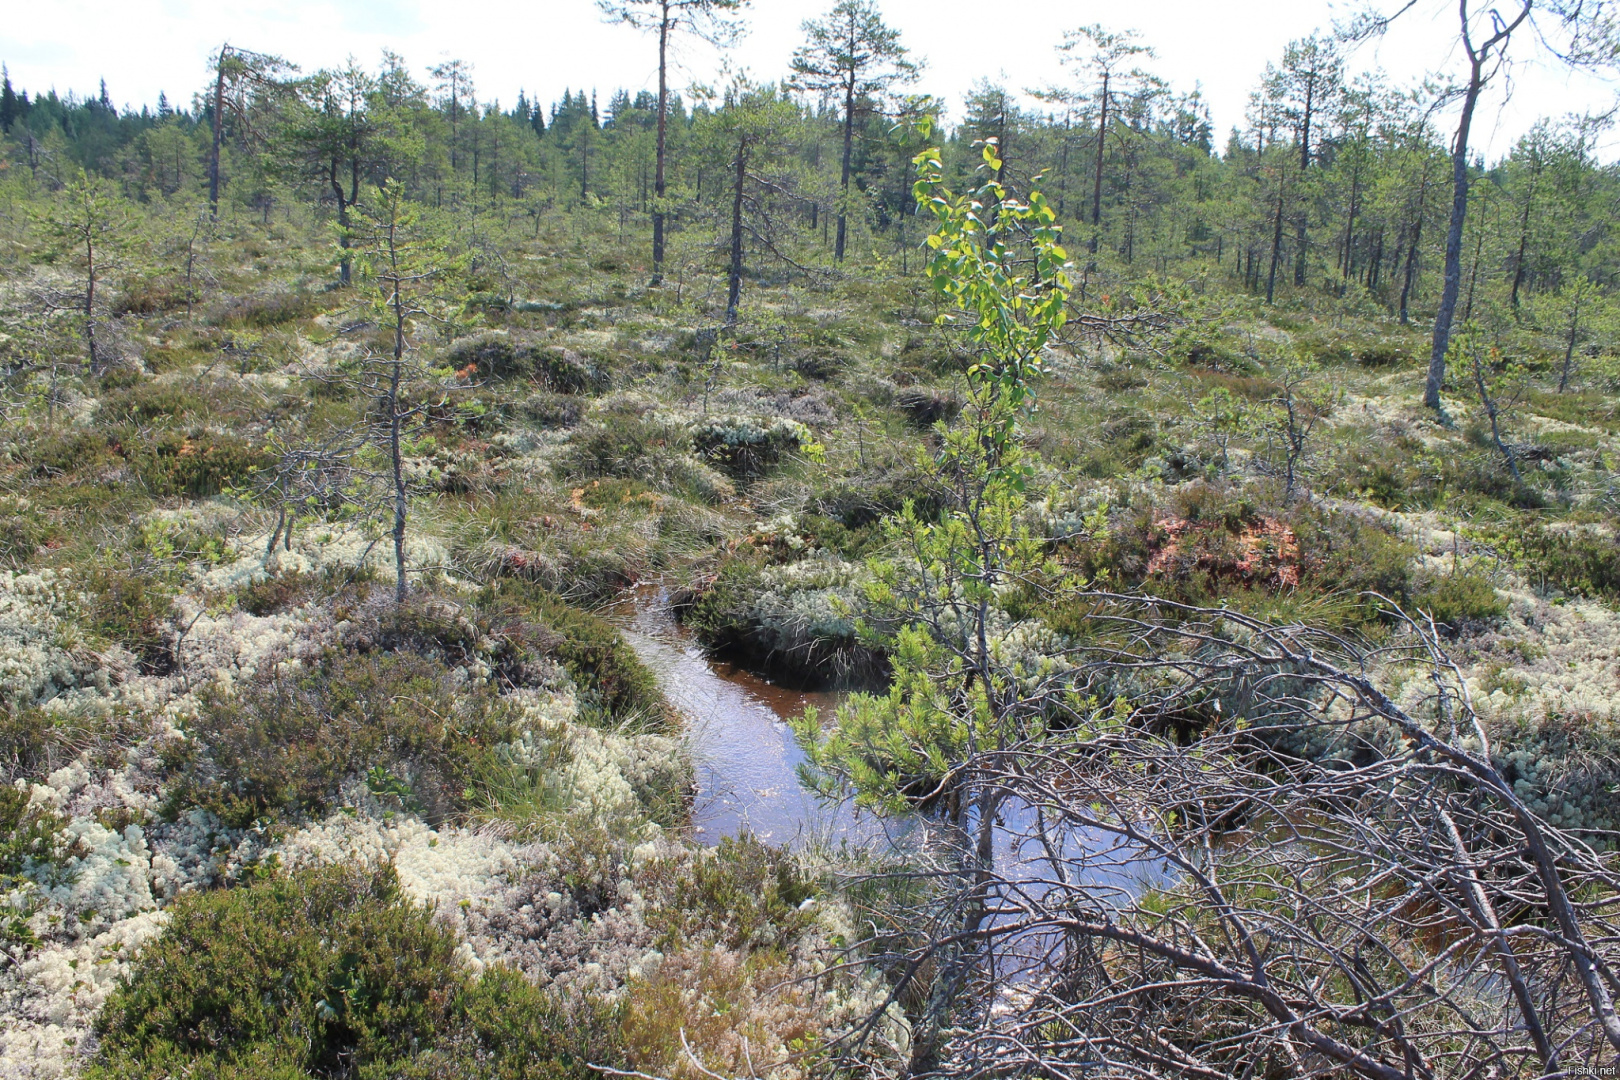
(787, 579)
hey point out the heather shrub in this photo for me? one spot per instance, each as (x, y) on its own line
(1200, 346)
(747, 895)
(132, 607)
(1401, 473)
(55, 453)
(151, 294)
(925, 406)
(199, 464)
(284, 746)
(272, 307)
(276, 593)
(145, 402)
(1583, 560)
(23, 533)
(1383, 353)
(31, 846)
(635, 446)
(1458, 601)
(497, 356)
(330, 973)
(36, 741)
(603, 666)
(739, 1014)
(552, 410)
(871, 498)
(796, 622)
(1206, 544)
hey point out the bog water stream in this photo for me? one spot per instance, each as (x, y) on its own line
(745, 756)
(746, 763)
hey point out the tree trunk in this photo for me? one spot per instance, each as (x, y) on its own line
(90, 296)
(1304, 167)
(1473, 271)
(1276, 244)
(1524, 237)
(1412, 252)
(1097, 175)
(1492, 412)
(1454, 237)
(396, 459)
(213, 157)
(344, 262)
(849, 147)
(734, 273)
(1350, 225)
(658, 156)
(1569, 349)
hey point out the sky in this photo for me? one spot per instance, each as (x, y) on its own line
(142, 47)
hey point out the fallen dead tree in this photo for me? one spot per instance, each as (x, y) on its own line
(1254, 850)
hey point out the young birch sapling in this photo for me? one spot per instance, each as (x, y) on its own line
(938, 605)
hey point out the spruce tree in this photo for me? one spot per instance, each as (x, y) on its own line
(10, 110)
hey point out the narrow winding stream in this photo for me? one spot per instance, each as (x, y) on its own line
(745, 754)
(746, 762)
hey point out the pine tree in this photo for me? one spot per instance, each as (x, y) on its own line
(852, 53)
(705, 19)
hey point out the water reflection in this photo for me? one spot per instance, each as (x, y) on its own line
(745, 754)
(746, 762)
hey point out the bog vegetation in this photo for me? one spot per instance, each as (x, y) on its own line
(1215, 537)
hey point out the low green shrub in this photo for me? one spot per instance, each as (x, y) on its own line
(1208, 544)
(793, 622)
(132, 607)
(747, 895)
(607, 670)
(282, 747)
(1580, 560)
(273, 307)
(23, 533)
(31, 847)
(1404, 474)
(1200, 346)
(499, 356)
(925, 406)
(624, 445)
(276, 593)
(151, 294)
(199, 464)
(1458, 601)
(58, 453)
(552, 410)
(145, 402)
(36, 741)
(747, 448)
(1383, 354)
(329, 973)
(868, 499)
